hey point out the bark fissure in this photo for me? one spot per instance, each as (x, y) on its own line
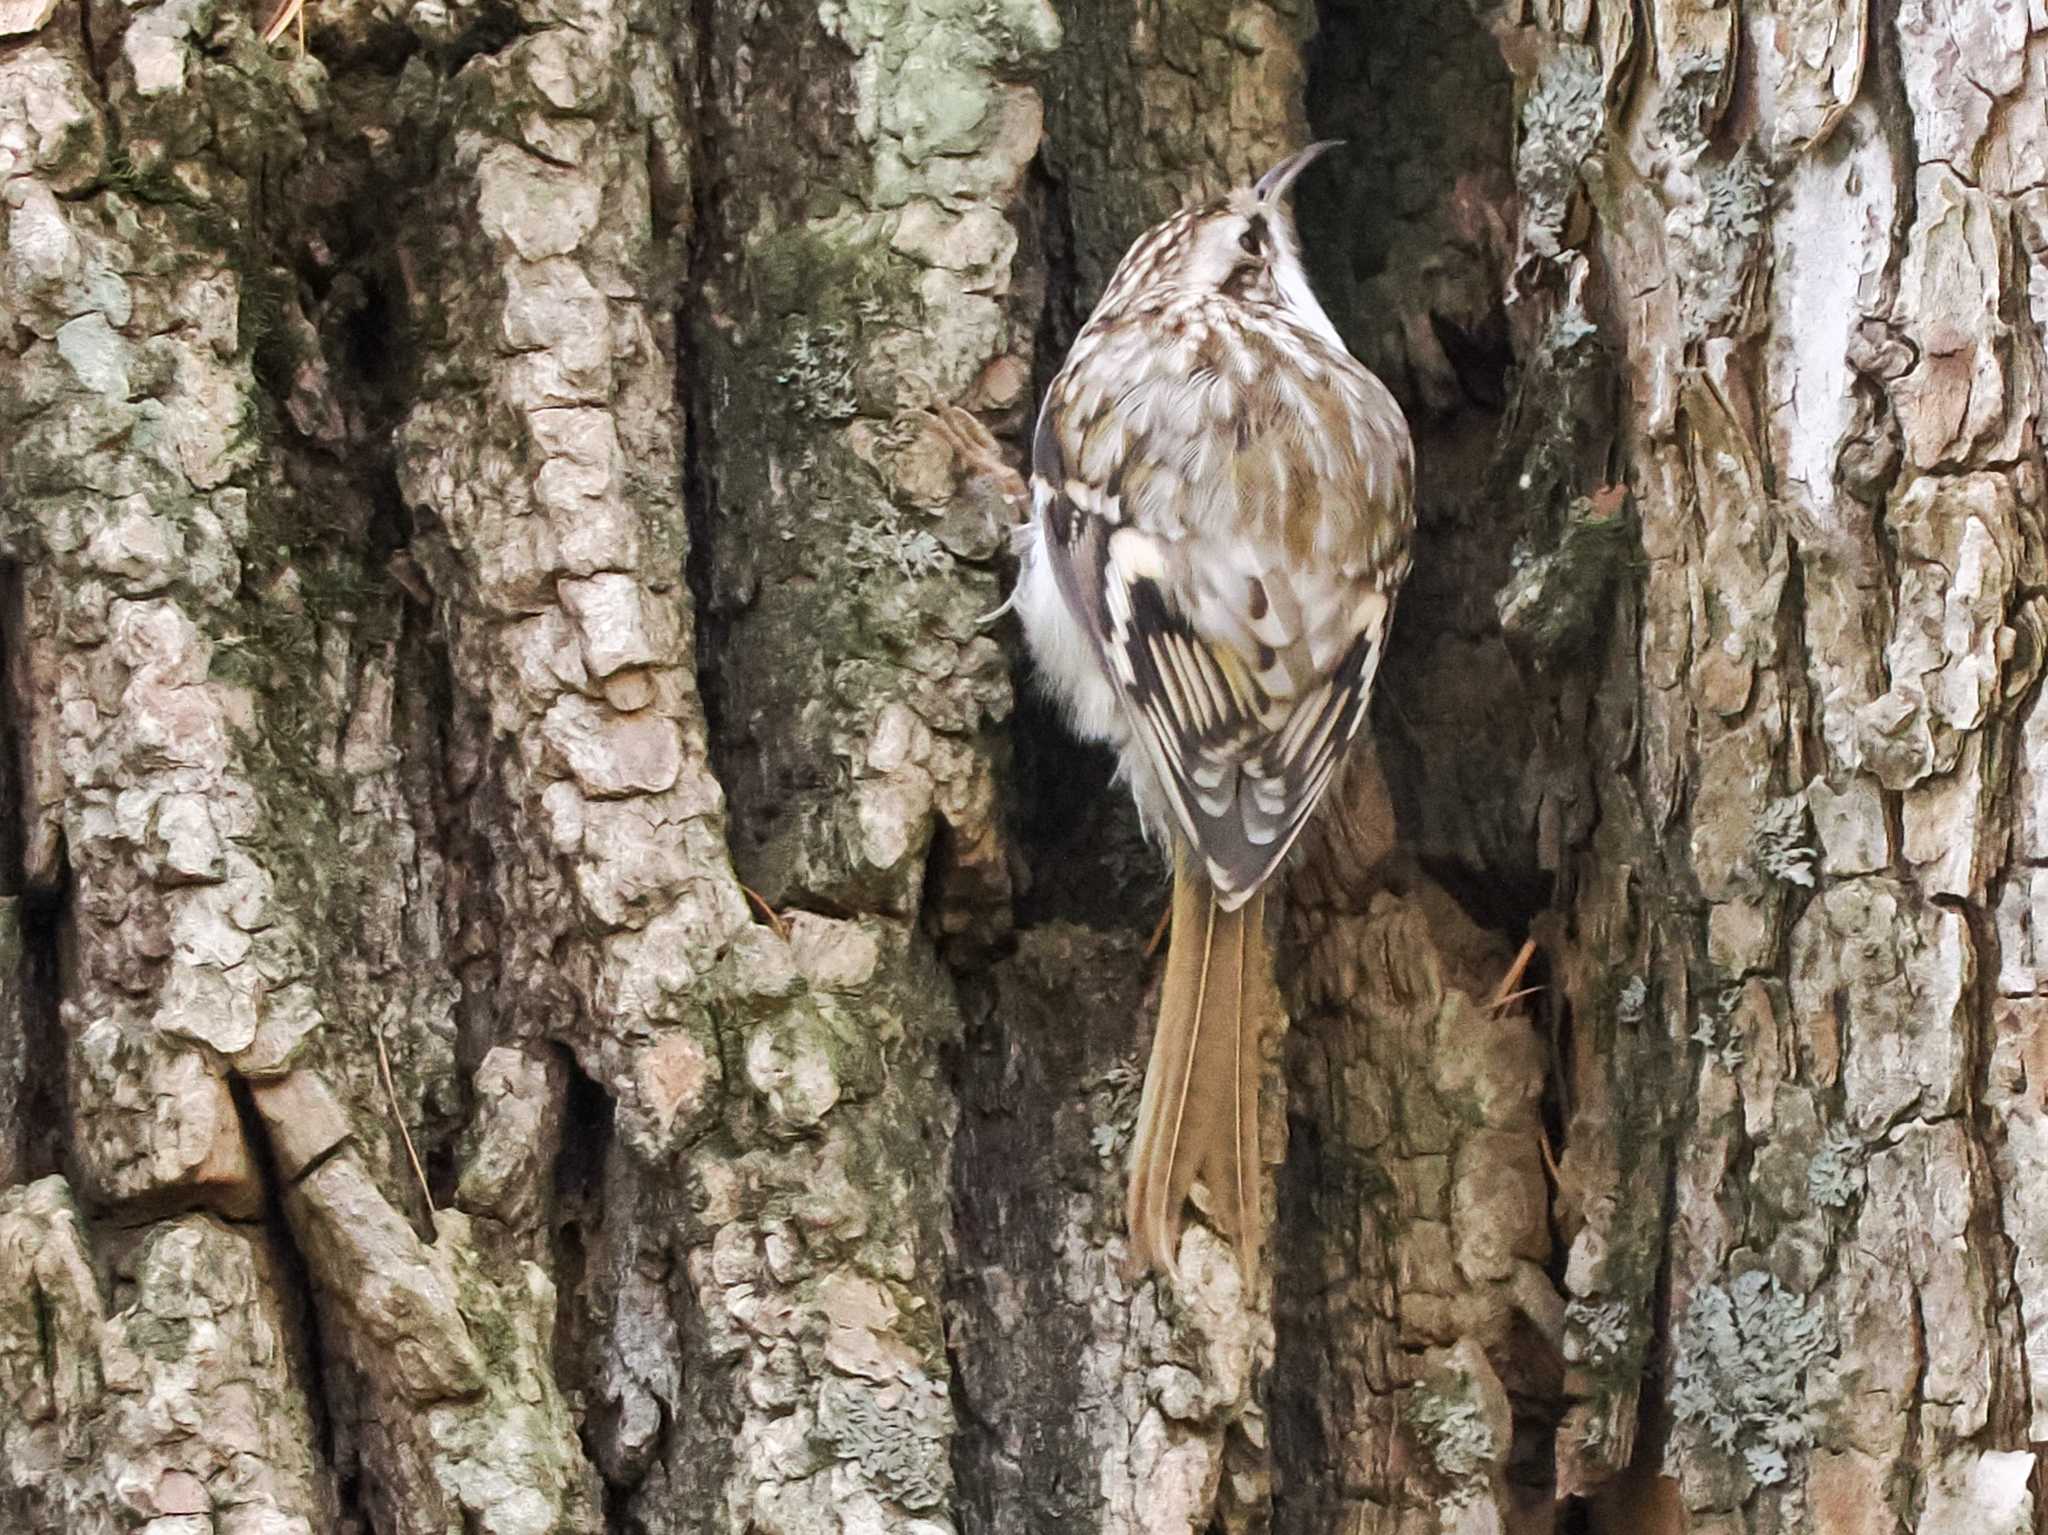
(300, 1296)
(40, 1107)
(34, 1113)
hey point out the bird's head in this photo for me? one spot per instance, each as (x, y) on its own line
(1242, 244)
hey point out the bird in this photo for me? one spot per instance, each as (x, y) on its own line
(1221, 508)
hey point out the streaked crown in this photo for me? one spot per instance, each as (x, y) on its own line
(1243, 244)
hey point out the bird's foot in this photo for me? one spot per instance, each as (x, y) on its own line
(980, 456)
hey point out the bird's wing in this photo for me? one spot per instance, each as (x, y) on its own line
(1244, 649)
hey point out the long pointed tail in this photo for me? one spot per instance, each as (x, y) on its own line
(1199, 1116)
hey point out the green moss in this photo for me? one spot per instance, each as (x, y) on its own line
(836, 272)
(1608, 1331)
(298, 588)
(149, 183)
(494, 1330)
(274, 346)
(825, 289)
(167, 1339)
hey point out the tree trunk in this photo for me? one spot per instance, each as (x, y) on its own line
(555, 975)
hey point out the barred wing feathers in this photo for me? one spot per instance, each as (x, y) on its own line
(1234, 572)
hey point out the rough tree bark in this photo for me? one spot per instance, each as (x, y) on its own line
(555, 976)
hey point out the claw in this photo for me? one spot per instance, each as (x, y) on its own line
(980, 456)
(969, 438)
(978, 452)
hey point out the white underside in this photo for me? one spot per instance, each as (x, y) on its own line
(1070, 672)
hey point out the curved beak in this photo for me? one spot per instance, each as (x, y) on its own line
(1274, 184)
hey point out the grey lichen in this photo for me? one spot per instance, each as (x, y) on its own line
(1717, 239)
(1562, 110)
(1735, 198)
(886, 544)
(1632, 1004)
(1562, 119)
(1563, 411)
(1597, 1334)
(1569, 328)
(1552, 603)
(1696, 84)
(1741, 1355)
(817, 368)
(896, 1433)
(1114, 1103)
(1605, 1341)
(1715, 1033)
(1834, 1178)
(1783, 843)
(1452, 1425)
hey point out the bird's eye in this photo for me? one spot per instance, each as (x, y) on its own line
(1249, 241)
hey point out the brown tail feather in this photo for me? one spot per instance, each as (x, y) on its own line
(1199, 1116)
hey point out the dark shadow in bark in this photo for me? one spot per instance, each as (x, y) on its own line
(700, 495)
(578, 1229)
(43, 1092)
(587, 1114)
(1072, 824)
(1045, 1027)
(299, 1299)
(1407, 230)
(34, 1087)
(13, 765)
(700, 466)
(1045, 1034)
